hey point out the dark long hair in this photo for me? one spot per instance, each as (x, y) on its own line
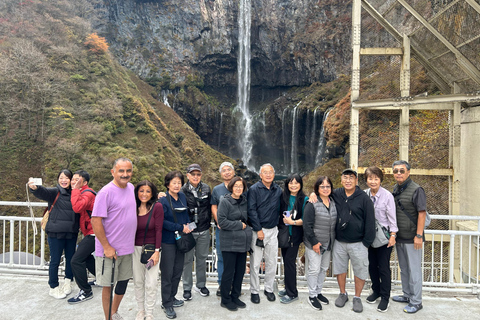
(154, 193)
(69, 175)
(286, 191)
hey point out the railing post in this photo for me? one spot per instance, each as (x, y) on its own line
(42, 248)
(12, 242)
(451, 260)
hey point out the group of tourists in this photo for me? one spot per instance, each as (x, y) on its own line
(135, 232)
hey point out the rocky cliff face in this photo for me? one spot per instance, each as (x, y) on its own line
(294, 42)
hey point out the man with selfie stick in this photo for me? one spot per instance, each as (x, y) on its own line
(114, 222)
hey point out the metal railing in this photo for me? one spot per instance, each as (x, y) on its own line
(451, 258)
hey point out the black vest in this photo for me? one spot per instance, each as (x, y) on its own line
(404, 200)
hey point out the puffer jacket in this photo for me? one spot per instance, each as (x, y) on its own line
(62, 218)
(202, 203)
(319, 224)
(230, 216)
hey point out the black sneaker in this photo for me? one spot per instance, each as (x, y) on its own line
(373, 297)
(178, 303)
(93, 283)
(313, 301)
(187, 295)
(219, 292)
(80, 297)
(204, 292)
(169, 312)
(239, 303)
(230, 306)
(383, 305)
(322, 299)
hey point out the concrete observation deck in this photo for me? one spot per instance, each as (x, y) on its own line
(26, 297)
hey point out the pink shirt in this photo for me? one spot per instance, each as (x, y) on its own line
(118, 209)
(385, 211)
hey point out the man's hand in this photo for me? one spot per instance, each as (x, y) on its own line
(110, 252)
(260, 235)
(417, 243)
(161, 195)
(316, 248)
(312, 198)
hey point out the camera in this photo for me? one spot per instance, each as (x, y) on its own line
(36, 181)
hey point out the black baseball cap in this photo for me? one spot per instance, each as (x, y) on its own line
(350, 171)
(194, 167)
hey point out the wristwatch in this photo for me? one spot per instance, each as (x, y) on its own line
(393, 235)
(295, 222)
(418, 235)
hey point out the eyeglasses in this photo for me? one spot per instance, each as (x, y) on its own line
(227, 169)
(325, 187)
(237, 187)
(347, 178)
(268, 172)
(196, 174)
(401, 171)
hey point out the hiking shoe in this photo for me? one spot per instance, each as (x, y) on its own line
(270, 295)
(239, 303)
(67, 286)
(322, 299)
(230, 306)
(80, 297)
(282, 293)
(57, 293)
(116, 316)
(204, 292)
(140, 315)
(219, 292)
(169, 312)
(402, 299)
(383, 305)
(412, 308)
(357, 305)
(187, 295)
(313, 301)
(341, 300)
(373, 297)
(288, 299)
(178, 303)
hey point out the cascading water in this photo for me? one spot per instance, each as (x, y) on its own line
(321, 140)
(312, 140)
(243, 76)
(220, 131)
(165, 94)
(284, 140)
(294, 154)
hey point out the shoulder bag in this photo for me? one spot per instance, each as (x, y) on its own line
(184, 241)
(46, 213)
(147, 249)
(381, 235)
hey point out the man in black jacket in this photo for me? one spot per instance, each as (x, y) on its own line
(355, 232)
(198, 201)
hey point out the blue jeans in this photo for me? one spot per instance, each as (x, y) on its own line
(57, 246)
(219, 255)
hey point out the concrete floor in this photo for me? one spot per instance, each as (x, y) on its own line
(26, 297)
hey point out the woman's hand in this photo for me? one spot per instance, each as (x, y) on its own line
(186, 229)
(316, 247)
(31, 185)
(287, 220)
(391, 242)
(155, 257)
(243, 225)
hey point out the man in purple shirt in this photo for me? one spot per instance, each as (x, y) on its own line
(114, 222)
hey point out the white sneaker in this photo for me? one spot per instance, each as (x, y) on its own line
(67, 286)
(57, 293)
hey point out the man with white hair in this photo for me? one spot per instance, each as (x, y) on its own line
(263, 214)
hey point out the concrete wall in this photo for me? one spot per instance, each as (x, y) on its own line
(470, 162)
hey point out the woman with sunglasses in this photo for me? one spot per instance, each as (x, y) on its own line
(379, 258)
(171, 263)
(319, 221)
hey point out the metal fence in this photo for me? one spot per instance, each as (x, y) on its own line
(451, 258)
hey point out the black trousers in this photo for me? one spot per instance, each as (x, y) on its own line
(379, 269)
(82, 261)
(171, 267)
(290, 269)
(234, 264)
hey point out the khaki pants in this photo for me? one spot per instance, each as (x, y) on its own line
(145, 283)
(269, 253)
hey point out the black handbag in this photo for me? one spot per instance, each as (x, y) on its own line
(147, 249)
(283, 237)
(184, 241)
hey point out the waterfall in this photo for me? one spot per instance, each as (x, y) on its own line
(284, 140)
(220, 131)
(243, 78)
(165, 94)
(312, 140)
(294, 153)
(321, 140)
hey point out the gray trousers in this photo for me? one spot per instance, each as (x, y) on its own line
(410, 262)
(317, 270)
(201, 253)
(269, 254)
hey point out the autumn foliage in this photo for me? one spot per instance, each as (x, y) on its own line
(96, 44)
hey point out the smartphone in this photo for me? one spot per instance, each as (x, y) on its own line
(149, 264)
(192, 226)
(286, 214)
(37, 181)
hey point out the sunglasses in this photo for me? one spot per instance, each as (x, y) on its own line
(195, 174)
(401, 171)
